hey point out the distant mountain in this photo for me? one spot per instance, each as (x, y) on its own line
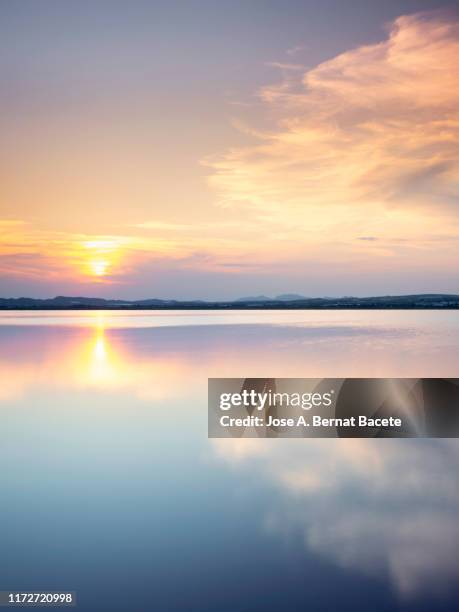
(285, 297)
(289, 297)
(256, 298)
(281, 302)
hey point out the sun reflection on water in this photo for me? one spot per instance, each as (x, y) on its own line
(102, 358)
(95, 356)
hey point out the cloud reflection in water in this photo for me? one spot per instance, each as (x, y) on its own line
(386, 507)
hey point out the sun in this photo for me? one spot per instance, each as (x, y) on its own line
(100, 256)
(99, 268)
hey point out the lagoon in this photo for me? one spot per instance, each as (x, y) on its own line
(111, 488)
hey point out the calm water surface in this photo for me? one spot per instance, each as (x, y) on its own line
(111, 488)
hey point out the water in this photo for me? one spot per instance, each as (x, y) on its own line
(111, 488)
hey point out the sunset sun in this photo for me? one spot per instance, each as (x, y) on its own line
(99, 268)
(99, 257)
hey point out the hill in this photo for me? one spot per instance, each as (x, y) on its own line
(281, 302)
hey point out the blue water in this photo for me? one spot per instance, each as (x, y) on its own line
(110, 487)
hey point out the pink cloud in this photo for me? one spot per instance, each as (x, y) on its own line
(373, 129)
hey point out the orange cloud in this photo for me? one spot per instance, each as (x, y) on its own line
(362, 141)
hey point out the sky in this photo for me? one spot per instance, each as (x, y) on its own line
(214, 150)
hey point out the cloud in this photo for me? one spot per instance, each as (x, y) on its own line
(295, 50)
(285, 66)
(385, 508)
(368, 139)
